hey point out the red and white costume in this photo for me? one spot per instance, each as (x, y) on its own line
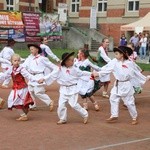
(19, 96)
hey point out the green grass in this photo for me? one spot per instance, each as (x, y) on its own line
(145, 67)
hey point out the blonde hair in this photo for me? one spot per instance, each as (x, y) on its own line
(15, 56)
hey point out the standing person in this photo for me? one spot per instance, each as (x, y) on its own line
(135, 40)
(123, 70)
(36, 65)
(7, 53)
(123, 40)
(68, 76)
(103, 59)
(46, 51)
(143, 45)
(19, 96)
(5, 61)
(87, 84)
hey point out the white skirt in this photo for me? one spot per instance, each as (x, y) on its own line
(17, 97)
(85, 86)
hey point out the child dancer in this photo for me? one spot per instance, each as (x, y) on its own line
(123, 70)
(103, 59)
(36, 65)
(132, 57)
(6, 53)
(4, 61)
(68, 77)
(46, 51)
(19, 97)
(87, 85)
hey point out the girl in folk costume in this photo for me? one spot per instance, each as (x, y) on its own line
(132, 57)
(68, 76)
(88, 86)
(103, 59)
(4, 61)
(123, 70)
(46, 51)
(19, 97)
(6, 53)
(36, 65)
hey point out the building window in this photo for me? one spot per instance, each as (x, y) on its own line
(75, 5)
(10, 5)
(133, 5)
(102, 5)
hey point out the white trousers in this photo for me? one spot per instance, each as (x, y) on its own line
(39, 92)
(73, 102)
(6, 82)
(129, 101)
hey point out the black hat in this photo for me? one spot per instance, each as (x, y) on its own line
(65, 56)
(36, 46)
(127, 51)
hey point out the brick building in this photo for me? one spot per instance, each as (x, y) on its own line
(111, 14)
(19, 5)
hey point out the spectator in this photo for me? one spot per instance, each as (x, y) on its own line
(143, 44)
(123, 40)
(135, 40)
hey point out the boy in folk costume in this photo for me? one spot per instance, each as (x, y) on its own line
(124, 71)
(2, 60)
(88, 86)
(19, 97)
(68, 77)
(36, 65)
(6, 53)
(103, 59)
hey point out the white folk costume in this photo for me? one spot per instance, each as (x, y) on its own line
(19, 96)
(36, 66)
(69, 89)
(6, 53)
(46, 51)
(123, 72)
(87, 84)
(103, 59)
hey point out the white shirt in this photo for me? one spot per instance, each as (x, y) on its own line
(103, 54)
(123, 72)
(143, 42)
(36, 65)
(49, 52)
(68, 79)
(6, 53)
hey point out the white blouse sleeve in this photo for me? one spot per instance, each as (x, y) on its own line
(51, 54)
(95, 67)
(2, 60)
(107, 69)
(104, 55)
(5, 75)
(27, 75)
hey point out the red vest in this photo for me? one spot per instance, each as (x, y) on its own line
(18, 81)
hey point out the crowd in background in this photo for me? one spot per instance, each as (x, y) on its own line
(141, 44)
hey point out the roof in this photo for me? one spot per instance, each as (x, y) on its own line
(143, 24)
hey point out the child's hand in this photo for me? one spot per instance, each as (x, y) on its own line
(41, 81)
(95, 74)
(148, 78)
